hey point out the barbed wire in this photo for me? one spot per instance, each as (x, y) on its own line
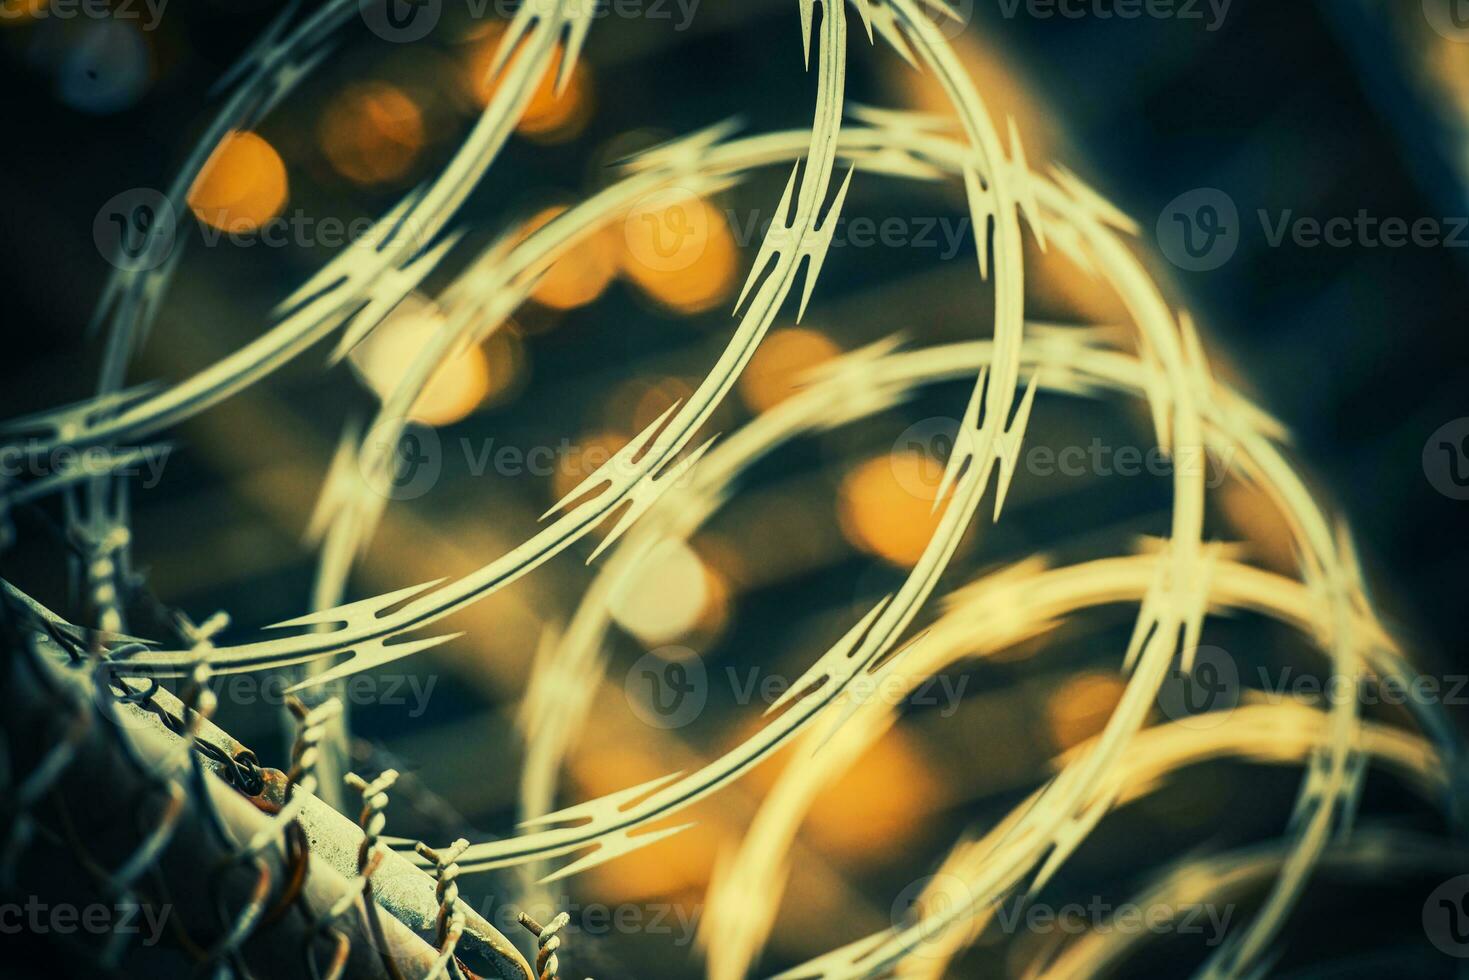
(170, 774)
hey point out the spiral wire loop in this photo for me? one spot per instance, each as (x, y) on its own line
(372, 819)
(548, 942)
(450, 919)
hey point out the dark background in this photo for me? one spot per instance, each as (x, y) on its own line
(1322, 108)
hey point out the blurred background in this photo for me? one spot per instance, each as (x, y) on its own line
(1320, 109)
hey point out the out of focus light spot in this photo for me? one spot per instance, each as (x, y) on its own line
(242, 186)
(386, 356)
(552, 118)
(637, 403)
(724, 559)
(1260, 522)
(505, 364)
(715, 614)
(658, 399)
(106, 69)
(886, 505)
(679, 250)
(1054, 283)
(663, 598)
(455, 390)
(549, 117)
(1080, 707)
(581, 273)
(780, 363)
(1002, 82)
(582, 460)
(862, 816)
(667, 869)
(372, 133)
(16, 12)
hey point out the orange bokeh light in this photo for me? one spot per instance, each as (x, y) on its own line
(886, 505)
(780, 365)
(549, 117)
(860, 818)
(457, 388)
(580, 274)
(1080, 707)
(506, 363)
(13, 12)
(679, 250)
(242, 186)
(582, 460)
(372, 133)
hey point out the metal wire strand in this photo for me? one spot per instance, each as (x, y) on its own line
(310, 726)
(548, 941)
(372, 819)
(450, 920)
